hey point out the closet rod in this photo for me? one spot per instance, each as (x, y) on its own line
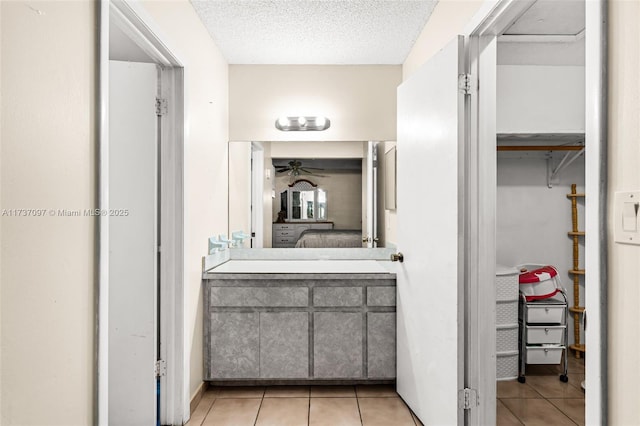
(540, 147)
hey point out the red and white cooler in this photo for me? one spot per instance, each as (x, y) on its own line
(539, 282)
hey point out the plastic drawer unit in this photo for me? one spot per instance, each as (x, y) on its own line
(543, 333)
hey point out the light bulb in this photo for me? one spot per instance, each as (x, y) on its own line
(320, 122)
(302, 121)
(284, 122)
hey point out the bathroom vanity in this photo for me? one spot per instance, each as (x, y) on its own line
(288, 321)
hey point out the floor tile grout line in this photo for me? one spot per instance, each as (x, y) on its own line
(509, 409)
(209, 410)
(260, 406)
(206, 414)
(309, 410)
(561, 410)
(359, 412)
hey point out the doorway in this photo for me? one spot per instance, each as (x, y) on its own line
(145, 173)
(483, 56)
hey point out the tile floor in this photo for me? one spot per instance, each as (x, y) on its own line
(371, 405)
(542, 400)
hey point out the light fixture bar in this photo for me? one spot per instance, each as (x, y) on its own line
(302, 124)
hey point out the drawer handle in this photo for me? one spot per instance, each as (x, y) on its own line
(546, 331)
(546, 309)
(546, 350)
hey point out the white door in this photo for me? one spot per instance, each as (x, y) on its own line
(430, 332)
(369, 199)
(132, 243)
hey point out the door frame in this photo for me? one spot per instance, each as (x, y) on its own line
(370, 194)
(142, 30)
(257, 195)
(490, 21)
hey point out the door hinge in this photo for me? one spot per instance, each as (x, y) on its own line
(161, 368)
(161, 106)
(464, 83)
(467, 398)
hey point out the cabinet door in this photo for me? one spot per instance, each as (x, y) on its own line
(337, 351)
(284, 345)
(381, 345)
(234, 345)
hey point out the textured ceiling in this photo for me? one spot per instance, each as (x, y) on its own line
(314, 32)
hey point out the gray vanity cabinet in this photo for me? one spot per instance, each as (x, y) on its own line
(381, 344)
(234, 344)
(337, 343)
(284, 345)
(275, 328)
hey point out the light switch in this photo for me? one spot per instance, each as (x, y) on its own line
(630, 217)
(626, 209)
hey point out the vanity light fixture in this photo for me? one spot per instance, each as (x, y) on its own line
(297, 124)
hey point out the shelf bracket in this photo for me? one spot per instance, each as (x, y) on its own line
(568, 158)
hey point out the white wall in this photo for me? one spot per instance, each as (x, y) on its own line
(344, 196)
(206, 185)
(624, 260)
(532, 220)
(48, 134)
(533, 99)
(360, 100)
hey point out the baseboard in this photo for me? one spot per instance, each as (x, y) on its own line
(197, 396)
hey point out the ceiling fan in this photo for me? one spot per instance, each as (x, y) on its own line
(294, 169)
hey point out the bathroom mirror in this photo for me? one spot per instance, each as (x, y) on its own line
(344, 191)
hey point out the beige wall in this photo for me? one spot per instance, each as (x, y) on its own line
(360, 100)
(206, 184)
(48, 135)
(449, 19)
(624, 175)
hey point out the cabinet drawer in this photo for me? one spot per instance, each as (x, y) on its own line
(545, 314)
(381, 296)
(282, 226)
(537, 335)
(259, 297)
(284, 233)
(285, 240)
(544, 354)
(337, 296)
